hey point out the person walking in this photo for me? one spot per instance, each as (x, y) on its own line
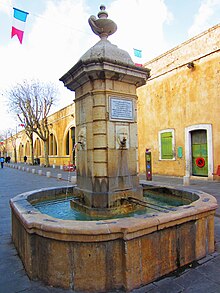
(2, 160)
(25, 159)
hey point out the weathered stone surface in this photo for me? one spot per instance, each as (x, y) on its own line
(116, 254)
(102, 73)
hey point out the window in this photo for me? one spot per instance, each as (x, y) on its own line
(166, 144)
(52, 145)
(70, 140)
(27, 148)
(67, 144)
(37, 148)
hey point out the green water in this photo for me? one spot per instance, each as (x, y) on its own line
(158, 203)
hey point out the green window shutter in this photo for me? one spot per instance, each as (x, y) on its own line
(166, 145)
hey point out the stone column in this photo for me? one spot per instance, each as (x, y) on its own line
(105, 81)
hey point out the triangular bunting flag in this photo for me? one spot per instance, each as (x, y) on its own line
(17, 32)
(137, 57)
(18, 26)
(137, 53)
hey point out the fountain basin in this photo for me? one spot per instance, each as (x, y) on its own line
(115, 254)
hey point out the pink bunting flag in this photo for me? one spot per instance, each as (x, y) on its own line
(18, 26)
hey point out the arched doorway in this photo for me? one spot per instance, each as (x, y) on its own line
(21, 152)
(37, 148)
(27, 149)
(52, 145)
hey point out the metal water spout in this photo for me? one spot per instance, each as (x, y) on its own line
(122, 143)
(78, 143)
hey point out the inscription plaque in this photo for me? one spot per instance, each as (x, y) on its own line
(121, 109)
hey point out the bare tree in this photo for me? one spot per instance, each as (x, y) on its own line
(32, 102)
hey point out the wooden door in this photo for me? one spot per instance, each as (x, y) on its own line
(199, 153)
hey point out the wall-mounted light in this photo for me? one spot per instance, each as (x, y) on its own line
(190, 65)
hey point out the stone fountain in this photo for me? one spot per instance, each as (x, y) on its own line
(105, 81)
(119, 253)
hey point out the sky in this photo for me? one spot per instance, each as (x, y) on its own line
(57, 34)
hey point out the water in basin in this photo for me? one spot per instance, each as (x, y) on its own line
(155, 203)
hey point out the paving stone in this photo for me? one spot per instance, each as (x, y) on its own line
(7, 250)
(215, 254)
(145, 289)
(216, 259)
(5, 239)
(167, 285)
(11, 269)
(211, 270)
(203, 288)
(17, 284)
(39, 287)
(205, 259)
(197, 281)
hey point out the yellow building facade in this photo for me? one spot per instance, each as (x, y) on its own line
(178, 114)
(179, 109)
(61, 140)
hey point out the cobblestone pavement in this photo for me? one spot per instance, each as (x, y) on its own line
(202, 276)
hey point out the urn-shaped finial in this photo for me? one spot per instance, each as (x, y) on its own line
(103, 27)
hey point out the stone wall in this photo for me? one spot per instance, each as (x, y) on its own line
(193, 49)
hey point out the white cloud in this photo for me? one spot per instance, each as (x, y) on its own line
(59, 37)
(5, 6)
(207, 16)
(140, 25)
